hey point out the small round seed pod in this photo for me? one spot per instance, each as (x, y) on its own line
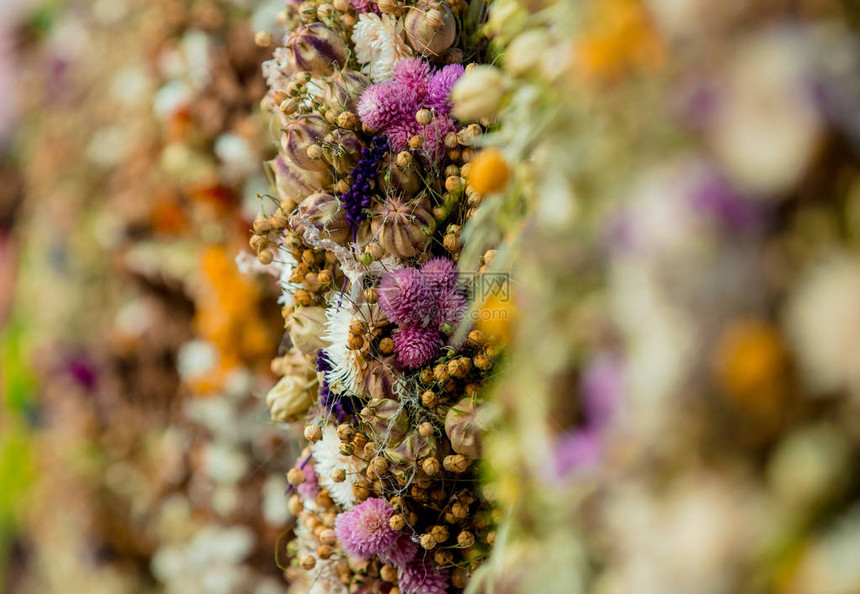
(457, 463)
(295, 505)
(443, 557)
(425, 429)
(391, 7)
(361, 491)
(429, 399)
(324, 214)
(426, 376)
(451, 243)
(482, 362)
(324, 551)
(295, 476)
(454, 183)
(345, 432)
(440, 373)
(396, 522)
(465, 539)
(341, 5)
(428, 543)
(354, 342)
(386, 346)
(338, 475)
(477, 337)
(439, 533)
(379, 466)
(431, 466)
(459, 510)
(346, 449)
(266, 257)
(404, 159)
(262, 225)
(258, 242)
(325, 277)
(423, 116)
(416, 142)
(371, 295)
(459, 578)
(315, 48)
(328, 536)
(308, 562)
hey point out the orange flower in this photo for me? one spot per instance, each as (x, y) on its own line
(751, 363)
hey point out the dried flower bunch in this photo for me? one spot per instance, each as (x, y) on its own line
(384, 367)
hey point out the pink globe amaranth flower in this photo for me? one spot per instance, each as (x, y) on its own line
(311, 487)
(413, 73)
(441, 273)
(451, 306)
(362, 6)
(422, 576)
(401, 553)
(416, 346)
(405, 296)
(390, 107)
(364, 532)
(440, 85)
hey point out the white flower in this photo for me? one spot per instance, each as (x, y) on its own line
(347, 365)
(327, 459)
(824, 325)
(379, 44)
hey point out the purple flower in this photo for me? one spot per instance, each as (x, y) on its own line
(441, 273)
(390, 107)
(416, 346)
(405, 296)
(451, 306)
(364, 532)
(440, 87)
(422, 576)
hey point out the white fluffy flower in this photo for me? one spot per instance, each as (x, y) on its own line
(347, 365)
(379, 44)
(327, 459)
(824, 325)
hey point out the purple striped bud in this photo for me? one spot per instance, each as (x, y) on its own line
(323, 212)
(343, 89)
(315, 48)
(299, 133)
(294, 183)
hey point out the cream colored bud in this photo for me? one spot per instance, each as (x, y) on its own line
(478, 94)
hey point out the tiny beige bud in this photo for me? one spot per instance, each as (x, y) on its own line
(346, 449)
(454, 183)
(266, 257)
(296, 505)
(459, 578)
(379, 465)
(345, 432)
(428, 542)
(386, 346)
(439, 533)
(423, 116)
(308, 562)
(429, 399)
(404, 159)
(443, 557)
(262, 225)
(295, 476)
(325, 276)
(459, 510)
(425, 429)
(338, 475)
(396, 522)
(416, 142)
(341, 5)
(456, 463)
(430, 466)
(465, 539)
(324, 551)
(388, 573)
(328, 536)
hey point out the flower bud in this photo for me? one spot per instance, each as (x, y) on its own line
(306, 327)
(292, 182)
(404, 179)
(463, 425)
(299, 134)
(324, 214)
(343, 88)
(430, 27)
(342, 149)
(289, 398)
(478, 94)
(386, 418)
(315, 48)
(403, 227)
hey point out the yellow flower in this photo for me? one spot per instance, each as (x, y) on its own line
(488, 172)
